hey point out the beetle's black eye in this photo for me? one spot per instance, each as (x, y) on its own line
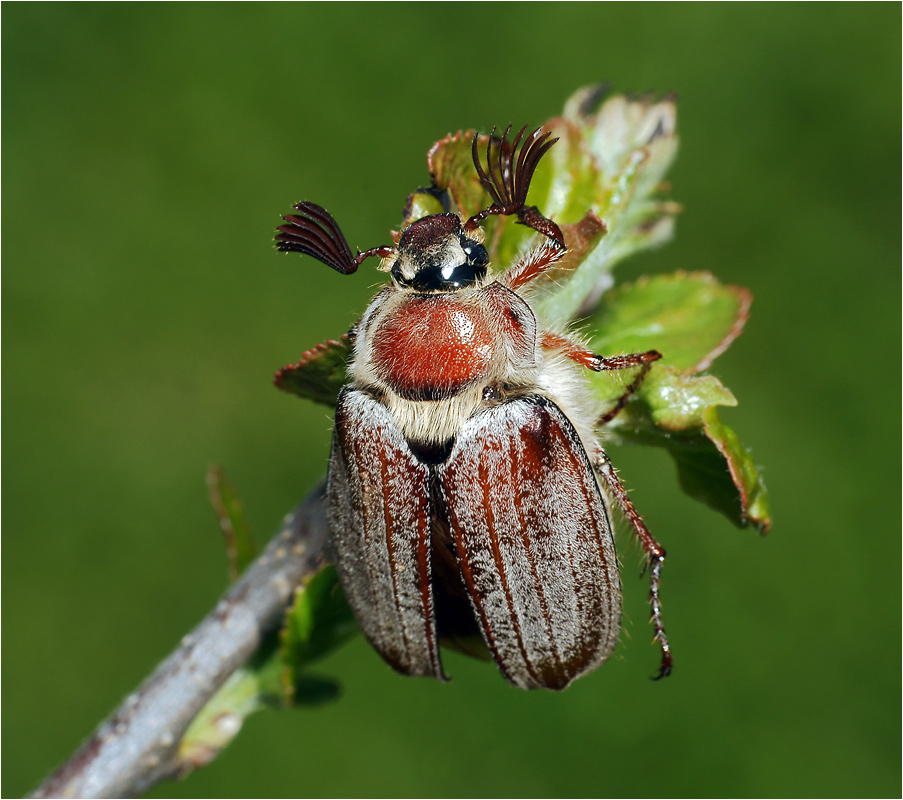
(477, 257)
(473, 269)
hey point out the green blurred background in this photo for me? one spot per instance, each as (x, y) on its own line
(149, 151)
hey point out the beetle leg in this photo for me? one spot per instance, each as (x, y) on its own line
(609, 415)
(590, 360)
(532, 265)
(655, 553)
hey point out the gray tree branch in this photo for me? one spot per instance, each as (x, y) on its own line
(136, 747)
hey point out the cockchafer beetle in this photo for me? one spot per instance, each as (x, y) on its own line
(462, 497)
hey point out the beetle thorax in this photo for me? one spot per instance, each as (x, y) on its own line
(431, 356)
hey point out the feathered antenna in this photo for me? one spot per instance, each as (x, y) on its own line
(508, 179)
(315, 233)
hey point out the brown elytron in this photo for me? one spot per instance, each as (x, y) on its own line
(462, 494)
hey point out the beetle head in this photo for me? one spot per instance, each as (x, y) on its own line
(435, 254)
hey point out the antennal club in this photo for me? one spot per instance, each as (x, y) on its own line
(508, 179)
(315, 233)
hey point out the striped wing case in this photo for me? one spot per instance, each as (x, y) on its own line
(379, 514)
(528, 527)
(533, 543)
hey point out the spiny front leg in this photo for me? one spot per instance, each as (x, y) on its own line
(655, 553)
(590, 360)
(534, 264)
(651, 355)
(587, 358)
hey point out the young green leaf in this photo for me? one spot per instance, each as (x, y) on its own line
(451, 169)
(420, 204)
(320, 374)
(241, 549)
(689, 317)
(743, 470)
(680, 413)
(318, 621)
